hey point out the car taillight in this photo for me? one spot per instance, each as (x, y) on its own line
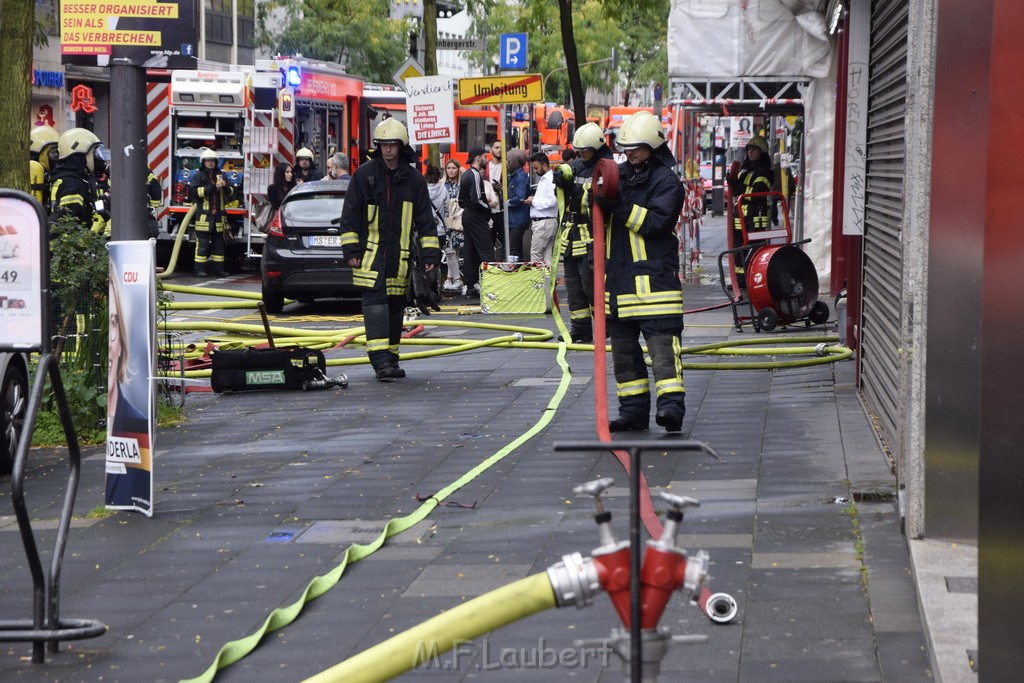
(275, 228)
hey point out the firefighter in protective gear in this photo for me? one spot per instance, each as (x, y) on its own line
(208, 190)
(643, 294)
(154, 197)
(572, 183)
(101, 172)
(73, 183)
(42, 161)
(387, 208)
(754, 175)
(305, 167)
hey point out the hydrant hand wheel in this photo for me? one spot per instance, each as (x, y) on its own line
(767, 319)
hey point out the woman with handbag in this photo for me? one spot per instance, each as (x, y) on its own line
(453, 227)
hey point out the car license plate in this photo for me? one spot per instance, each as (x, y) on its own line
(323, 241)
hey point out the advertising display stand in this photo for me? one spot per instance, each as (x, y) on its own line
(25, 328)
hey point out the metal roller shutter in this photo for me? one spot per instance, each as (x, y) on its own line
(882, 293)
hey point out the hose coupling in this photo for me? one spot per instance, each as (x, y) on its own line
(574, 580)
(720, 608)
(820, 349)
(696, 573)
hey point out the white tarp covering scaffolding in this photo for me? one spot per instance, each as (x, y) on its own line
(748, 40)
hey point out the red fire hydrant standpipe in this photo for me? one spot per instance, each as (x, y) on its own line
(640, 591)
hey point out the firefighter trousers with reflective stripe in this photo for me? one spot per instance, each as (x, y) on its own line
(382, 317)
(631, 379)
(209, 239)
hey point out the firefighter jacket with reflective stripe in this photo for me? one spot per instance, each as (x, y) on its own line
(154, 192)
(208, 198)
(73, 191)
(753, 178)
(575, 220)
(641, 247)
(382, 210)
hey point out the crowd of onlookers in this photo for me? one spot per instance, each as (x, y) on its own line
(531, 207)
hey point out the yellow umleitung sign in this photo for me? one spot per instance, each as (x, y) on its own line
(521, 89)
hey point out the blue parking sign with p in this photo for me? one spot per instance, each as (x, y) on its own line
(513, 51)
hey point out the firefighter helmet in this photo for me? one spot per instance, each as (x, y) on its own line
(43, 137)
(390, 130)
(77, 141)
(758, 142)
(304, 153)
(206, 155)
(588, 136)
(641, 128)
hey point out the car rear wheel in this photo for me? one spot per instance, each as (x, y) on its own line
(273, 302)
(14, 397)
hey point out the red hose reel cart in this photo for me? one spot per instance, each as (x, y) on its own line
(781, 281)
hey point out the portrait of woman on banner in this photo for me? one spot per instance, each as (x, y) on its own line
(123, 418)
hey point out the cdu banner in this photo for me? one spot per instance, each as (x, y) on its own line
(131, 367)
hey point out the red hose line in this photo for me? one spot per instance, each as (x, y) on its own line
(609, 172)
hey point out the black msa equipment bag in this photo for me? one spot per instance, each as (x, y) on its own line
(252, 369)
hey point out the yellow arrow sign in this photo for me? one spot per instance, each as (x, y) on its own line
(520, 89)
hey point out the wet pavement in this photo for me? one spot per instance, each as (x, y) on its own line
(257, 494)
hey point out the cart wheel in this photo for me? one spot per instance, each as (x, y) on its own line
(819, 313)
(767, 319)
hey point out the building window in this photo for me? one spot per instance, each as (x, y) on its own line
(218, 22)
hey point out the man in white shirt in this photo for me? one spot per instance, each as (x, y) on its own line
(492, 173)
(543, 210)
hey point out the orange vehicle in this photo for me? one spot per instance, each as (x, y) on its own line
(549, 129)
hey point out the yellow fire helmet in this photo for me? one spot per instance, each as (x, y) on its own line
(588, 136)
(76, 141)
(43, 137)
(641, 128)
(759, 142)
(390, 130)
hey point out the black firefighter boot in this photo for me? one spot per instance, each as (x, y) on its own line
(395, 370)
(385, 367)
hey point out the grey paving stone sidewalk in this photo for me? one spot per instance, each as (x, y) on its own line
(257, 494)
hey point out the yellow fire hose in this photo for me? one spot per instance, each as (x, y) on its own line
(428, 640)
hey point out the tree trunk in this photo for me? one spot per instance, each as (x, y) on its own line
(572, 62)
(17, 18)
(430, 63)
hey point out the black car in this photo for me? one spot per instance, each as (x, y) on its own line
(302, 257)
(13, 405)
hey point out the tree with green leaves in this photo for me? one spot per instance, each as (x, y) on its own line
(643, 51)
(566, 38)
(358, 34)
